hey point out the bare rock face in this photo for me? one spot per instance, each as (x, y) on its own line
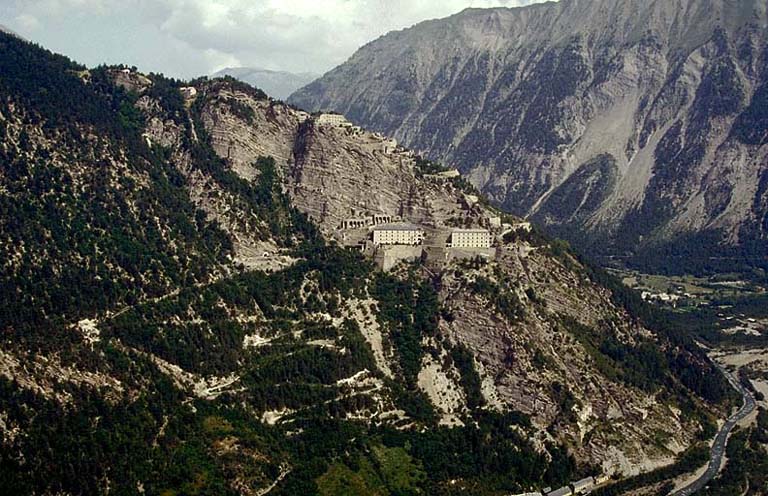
(540, 364)
(622, 125)
(270, 130)
(329, 172)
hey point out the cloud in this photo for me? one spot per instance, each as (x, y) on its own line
(27, 22)
(191, 37)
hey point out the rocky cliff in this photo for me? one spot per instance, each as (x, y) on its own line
(183, 314)
(631, 127)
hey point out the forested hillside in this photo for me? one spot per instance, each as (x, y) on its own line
(176, 318)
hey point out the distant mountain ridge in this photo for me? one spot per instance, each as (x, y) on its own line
(277, 84)
(632, 127)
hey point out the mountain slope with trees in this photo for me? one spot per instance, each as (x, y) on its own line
(177, 319)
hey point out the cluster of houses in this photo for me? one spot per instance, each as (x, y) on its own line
(583, 486)
(390, 237)
(671, 299)
(389, 242)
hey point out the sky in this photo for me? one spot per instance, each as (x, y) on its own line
(190, 38)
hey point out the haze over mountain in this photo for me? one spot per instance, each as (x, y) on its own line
(178, 316)
(277, 84)
(631, 127)
(8, 31)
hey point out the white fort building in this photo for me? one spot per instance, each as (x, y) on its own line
(470, 238)
(328, 119)
(398, 234)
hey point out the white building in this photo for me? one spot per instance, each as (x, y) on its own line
(584, 485)
(188, 92)
(390, 145)
(331, 120)
(601, 479)
(398, 234)
(449, 174)
(470, 238)
(563, 491)
(494, 221)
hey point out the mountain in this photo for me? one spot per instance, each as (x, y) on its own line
(182, 313)
(634, 128)
(277, 84)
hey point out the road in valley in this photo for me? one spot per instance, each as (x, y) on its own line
(721, 440)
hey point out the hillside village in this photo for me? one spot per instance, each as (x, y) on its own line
(368, 194)
(365, 193)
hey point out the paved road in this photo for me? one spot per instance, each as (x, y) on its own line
(721, 440)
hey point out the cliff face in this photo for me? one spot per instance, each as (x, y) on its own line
(329, 172)
(622, 125)
(178, 314)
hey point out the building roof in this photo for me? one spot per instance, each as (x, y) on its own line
(450, 173)
(478, 230)
(585, 482)
(563, 491)
(398, 227)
